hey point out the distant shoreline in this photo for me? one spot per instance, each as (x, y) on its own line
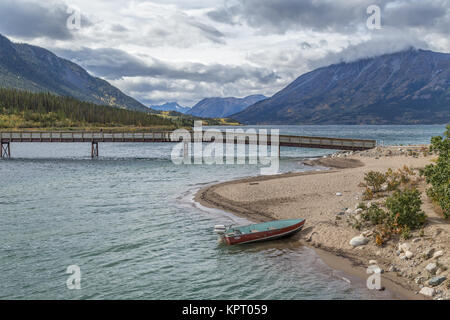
(312, 195)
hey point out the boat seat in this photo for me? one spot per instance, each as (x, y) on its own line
(254, 231)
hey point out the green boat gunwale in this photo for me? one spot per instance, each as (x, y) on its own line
(262, 227)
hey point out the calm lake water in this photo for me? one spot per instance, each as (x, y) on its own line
(128, 221)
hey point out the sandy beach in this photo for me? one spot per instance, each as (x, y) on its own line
(328, 199)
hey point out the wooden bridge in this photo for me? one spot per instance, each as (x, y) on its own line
(95, 137)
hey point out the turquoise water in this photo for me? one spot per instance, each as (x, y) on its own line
(129, 222)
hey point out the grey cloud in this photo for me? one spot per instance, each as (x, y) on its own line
(209, 32)
(28, 19)
(156, 91)
(429, 14)
(305, 45)
(226, 15)
(336, 16)
(118, 28)
(283, 15)
(107, 62)
(116, 64)
(379, 45)
(179, 30)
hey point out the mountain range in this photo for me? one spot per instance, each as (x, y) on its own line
(223, 107)
(35, 69)
(170, 106)
(408, 87)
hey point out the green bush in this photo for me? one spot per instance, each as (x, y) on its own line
(374, 214)
(375, 180)
(405, 211)
(438, 175)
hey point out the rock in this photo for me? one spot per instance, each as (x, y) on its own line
(405, 247)
(359, 241)
(402, 256)
(373, 262)
(416, 240)
(436, 281)
(408, 254)
(431, 268)
(338, 194)
(438, 254)
(341, 213)
(358, 211)
(428, 292)
(419, 280)
(428, 253)
(349, 211)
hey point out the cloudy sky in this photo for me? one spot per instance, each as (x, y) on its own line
(175, 50)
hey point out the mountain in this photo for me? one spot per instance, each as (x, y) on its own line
(223, 107)
(35, 69)
(407, 87)
(170, 106)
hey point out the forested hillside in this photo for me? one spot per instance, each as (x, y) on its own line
(23, 109)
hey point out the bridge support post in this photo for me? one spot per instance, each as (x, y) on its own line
(5, 151)
(94, 149)
(186, 150)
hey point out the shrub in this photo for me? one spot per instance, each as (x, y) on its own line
(393, 179)
(406, 233)
(362, 205)
(438, 175)
(368, 194)
(405, 211)
(375, 180)
(374, 214)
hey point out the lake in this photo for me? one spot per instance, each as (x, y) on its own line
(127, 220)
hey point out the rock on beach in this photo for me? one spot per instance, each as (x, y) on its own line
(359, 241)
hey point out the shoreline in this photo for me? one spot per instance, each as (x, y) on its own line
(272, 201)
(331, 258)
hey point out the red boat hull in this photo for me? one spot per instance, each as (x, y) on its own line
(265, 235)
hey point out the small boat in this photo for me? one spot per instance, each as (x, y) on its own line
(260, 231)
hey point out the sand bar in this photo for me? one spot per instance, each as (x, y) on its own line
(313, 195)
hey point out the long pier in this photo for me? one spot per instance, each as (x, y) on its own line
(165, 136)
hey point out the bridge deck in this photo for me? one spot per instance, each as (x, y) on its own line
(284, 140)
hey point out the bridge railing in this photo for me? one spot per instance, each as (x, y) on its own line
(165, 136)
(63, 135)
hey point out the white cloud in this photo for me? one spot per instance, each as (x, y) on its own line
(180, 50)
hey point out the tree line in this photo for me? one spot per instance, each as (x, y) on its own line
(50, 110)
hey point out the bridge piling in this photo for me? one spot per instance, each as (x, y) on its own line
(94, 149)
(5, 151)
(186, 149)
